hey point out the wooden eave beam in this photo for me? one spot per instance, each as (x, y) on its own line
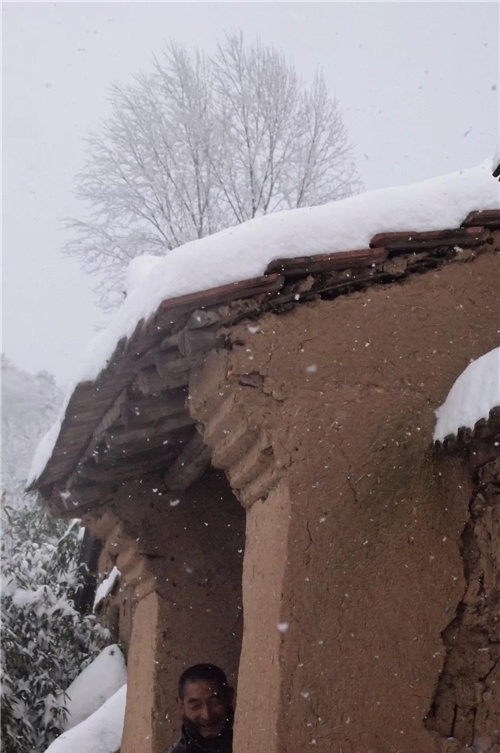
(137, 412)
(141, 449)
(166, 365)
(74, 501)
(150, 382)
(189, 466)
(153, 462)
(156, 433)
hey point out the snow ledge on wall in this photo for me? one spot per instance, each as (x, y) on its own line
(474, 394)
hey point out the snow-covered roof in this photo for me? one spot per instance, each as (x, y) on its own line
(245, 252)
(475, 393)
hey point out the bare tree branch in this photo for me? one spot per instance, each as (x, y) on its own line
(200, 144)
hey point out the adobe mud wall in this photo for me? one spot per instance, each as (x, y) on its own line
(139, 729)
(263, 575)
(466, 705)
(322, 419)
(181, 557)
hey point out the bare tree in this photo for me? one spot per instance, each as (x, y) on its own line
(200, 144)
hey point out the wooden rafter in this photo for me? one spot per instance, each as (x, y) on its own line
(137, 412)
(189, 466)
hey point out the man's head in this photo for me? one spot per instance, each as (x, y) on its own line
(204, 699)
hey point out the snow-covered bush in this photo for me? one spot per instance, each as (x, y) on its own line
(45, 641)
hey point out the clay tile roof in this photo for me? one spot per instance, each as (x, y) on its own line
(481, 442)
(133, 418)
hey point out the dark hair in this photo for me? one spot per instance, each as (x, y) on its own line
(209, 672)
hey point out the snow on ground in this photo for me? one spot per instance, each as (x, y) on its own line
(244, 251)
(474, 394)
(99, 733)
(94, 685)
(106, 586)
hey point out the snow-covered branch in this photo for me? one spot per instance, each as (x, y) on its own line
(203, 143)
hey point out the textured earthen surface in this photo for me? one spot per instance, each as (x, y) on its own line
(260, 667)
(338, 399)
(466, 706)
(138, 732)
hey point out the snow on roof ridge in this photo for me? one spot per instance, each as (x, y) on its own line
(473, 395)
(244, 252)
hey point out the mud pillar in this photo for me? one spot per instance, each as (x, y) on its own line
(138, 732)
(256, 726)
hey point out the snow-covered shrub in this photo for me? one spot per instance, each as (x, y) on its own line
(45, 641)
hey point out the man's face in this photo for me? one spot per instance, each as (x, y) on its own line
(204, 708)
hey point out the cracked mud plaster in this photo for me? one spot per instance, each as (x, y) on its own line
(466, 705)
(373, 571)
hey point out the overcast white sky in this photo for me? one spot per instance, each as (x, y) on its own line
(417, 84)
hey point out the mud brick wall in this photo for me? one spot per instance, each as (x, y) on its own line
(322, 419)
